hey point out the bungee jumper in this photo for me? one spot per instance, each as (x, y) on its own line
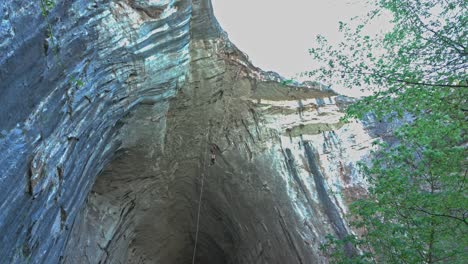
(213, 155)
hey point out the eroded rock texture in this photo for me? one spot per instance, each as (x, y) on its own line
(141, 93)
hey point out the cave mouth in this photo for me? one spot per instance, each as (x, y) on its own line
(143, 206)
(156, 228)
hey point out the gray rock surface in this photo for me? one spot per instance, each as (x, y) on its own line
(108, 128)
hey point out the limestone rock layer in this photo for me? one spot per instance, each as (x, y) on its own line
(112, 111)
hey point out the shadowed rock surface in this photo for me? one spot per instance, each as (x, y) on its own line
(105, 142)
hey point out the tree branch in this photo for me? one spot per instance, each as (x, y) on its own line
(431, 84)
(441, 215)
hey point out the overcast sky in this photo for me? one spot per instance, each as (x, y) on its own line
(277, 34)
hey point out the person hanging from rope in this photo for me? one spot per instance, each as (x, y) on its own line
(213, 155)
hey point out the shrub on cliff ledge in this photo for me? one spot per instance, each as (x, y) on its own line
(417, 207)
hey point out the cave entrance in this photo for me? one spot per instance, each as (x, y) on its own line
(143, 206)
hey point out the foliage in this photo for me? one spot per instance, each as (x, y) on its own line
(334, 248)
(417, 208)
(46, 6)
(287, 82)
(76, 82)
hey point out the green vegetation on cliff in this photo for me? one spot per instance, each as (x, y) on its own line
(417, 207)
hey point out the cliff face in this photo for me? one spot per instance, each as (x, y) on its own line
(107, 141)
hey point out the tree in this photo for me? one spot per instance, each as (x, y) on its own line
(416, 209)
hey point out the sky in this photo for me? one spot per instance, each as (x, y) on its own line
(277, 34)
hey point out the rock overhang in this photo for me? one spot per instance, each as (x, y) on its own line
(168, 69)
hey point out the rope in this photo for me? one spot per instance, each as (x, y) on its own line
(198, 214)
(199, 202)
(203, 180)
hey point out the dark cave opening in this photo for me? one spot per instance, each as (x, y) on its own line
(209, 251)
(152, 219)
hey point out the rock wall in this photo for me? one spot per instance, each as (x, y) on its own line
(142, 93)
(61, 105)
